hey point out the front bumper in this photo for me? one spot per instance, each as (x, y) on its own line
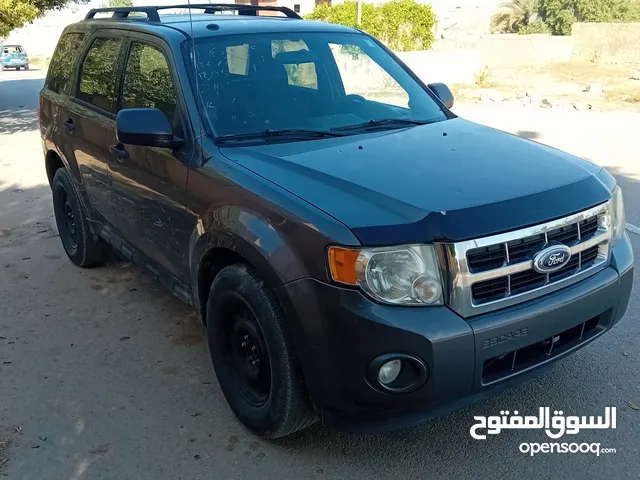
(339, 331)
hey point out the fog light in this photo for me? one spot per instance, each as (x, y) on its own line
(389, 371)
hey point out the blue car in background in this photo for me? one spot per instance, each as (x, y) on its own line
(13, 56)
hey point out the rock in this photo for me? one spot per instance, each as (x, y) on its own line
(595, 89)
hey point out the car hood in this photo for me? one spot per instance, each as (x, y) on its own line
(447, 181)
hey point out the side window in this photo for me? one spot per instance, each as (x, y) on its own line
(63, 61)
(299, 74)
(98, 74)
(362, 76)
(148, 83)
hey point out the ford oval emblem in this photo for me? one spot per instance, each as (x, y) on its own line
(551, 259)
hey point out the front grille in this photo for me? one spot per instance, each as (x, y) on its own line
(516, 361)
(495, 256)
(497, 271)
(498, 288)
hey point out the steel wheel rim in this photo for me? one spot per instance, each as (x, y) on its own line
(67, 222)
(246, 352)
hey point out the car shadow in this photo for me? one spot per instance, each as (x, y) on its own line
(18, 100)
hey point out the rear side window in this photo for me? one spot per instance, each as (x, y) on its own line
(97, 84)
(63, 61)
(148, 83)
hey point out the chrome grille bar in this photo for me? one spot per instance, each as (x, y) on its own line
(461, 278)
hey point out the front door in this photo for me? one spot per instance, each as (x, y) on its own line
(149, 184)
(88, 117)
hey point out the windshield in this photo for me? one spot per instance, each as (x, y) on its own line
(305, 81)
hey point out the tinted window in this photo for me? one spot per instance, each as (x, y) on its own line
(148, 83)
(98, 73)
(63, 61)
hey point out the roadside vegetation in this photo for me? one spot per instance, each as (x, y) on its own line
(558, 16)
(403, 25)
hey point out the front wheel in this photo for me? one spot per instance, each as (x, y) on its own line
(79, 243)
(253, 354)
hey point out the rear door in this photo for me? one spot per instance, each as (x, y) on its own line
(55, 98)
(149, 184)
(91, 115)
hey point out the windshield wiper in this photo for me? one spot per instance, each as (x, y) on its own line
(291, 133)
(385, 122)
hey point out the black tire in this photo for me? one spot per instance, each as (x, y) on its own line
(270, 399)
(81, 246)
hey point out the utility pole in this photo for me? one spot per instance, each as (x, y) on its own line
(359, 12)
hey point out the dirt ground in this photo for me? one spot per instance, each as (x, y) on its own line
(568, 85)
(105, 375)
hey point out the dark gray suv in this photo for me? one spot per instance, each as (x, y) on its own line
(357, 253)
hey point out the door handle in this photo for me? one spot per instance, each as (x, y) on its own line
(70, 124)
(119, 151)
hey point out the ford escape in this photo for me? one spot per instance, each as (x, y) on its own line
(358, 253)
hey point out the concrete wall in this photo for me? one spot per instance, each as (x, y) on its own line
(607, 42)
(512, 50)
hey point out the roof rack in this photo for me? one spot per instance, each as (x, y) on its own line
(122, 13)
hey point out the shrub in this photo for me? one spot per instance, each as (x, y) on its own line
(401, 24)
(536, 27)
(483, 78)
(560, 15)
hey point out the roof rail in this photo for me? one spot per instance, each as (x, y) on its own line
(122, 13)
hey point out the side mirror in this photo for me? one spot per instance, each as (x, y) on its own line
(443, 93)
(147, 127)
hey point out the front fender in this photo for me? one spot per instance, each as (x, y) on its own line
(259, 240)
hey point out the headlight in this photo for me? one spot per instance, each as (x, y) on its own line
(406, 275)
(618, 220)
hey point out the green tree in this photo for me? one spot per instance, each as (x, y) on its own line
(514, 15)
(16, 13)
(401, 24)
(560, 15)
(118, 3)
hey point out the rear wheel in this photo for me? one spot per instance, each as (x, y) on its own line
(81, 246)
(253, 354)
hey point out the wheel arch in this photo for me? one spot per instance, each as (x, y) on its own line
(52, 162)
(216, 250)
